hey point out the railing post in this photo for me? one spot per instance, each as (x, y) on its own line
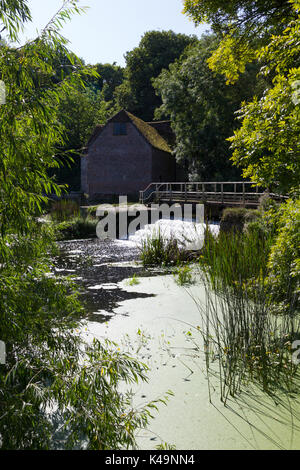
(222, 192)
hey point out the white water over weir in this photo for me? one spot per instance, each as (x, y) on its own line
(188, 234)
(139, 223)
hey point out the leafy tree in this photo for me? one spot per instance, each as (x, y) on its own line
(267, 144)
(51, 380)
(246, 25)
(157, 49)
(284, 261)
(202, 110)
(110, 76)
(79, 111)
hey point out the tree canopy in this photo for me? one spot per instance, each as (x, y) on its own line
(50, 375)
(266, 145)
(156, 50)
(202, 110)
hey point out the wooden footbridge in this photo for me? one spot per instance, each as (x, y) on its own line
(224, 193)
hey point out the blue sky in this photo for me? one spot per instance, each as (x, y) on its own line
(109, 29)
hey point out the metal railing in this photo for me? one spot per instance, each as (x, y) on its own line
(218, 192)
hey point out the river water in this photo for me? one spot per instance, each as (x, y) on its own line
(97, 267)
(152, 319)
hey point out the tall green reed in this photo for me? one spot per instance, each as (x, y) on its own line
(241, 333)
(158, 250)
(64, 209)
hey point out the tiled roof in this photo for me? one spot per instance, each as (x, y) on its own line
(165, 130)
(150, 134)
(148, 131)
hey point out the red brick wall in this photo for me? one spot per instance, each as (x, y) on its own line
(123, 164)
(117, 164)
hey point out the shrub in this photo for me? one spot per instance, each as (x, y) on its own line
(284, 260)
(234, 219)
(56, 390)
(77, 228)
(134, 281)
(64, 210)
(184, 275)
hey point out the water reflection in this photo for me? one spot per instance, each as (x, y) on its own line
(97, 267)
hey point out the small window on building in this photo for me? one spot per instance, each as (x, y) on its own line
(120, 128)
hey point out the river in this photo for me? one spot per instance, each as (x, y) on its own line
(152, 318)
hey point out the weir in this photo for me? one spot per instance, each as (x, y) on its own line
(123, 221)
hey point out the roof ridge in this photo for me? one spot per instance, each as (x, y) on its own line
(158, 122)
(151, 135)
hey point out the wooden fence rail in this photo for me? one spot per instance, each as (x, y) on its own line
(243, 193)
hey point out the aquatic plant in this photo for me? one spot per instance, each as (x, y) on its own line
(240, 331)
(184, 275)
(64, 209)
(158, 250)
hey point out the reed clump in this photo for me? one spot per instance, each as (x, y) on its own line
(158, 250)
(64, 209)
(77, 228)
(242, 329)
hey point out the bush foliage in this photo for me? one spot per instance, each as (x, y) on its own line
(234, 219)
(56, 391)
(284, 260)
